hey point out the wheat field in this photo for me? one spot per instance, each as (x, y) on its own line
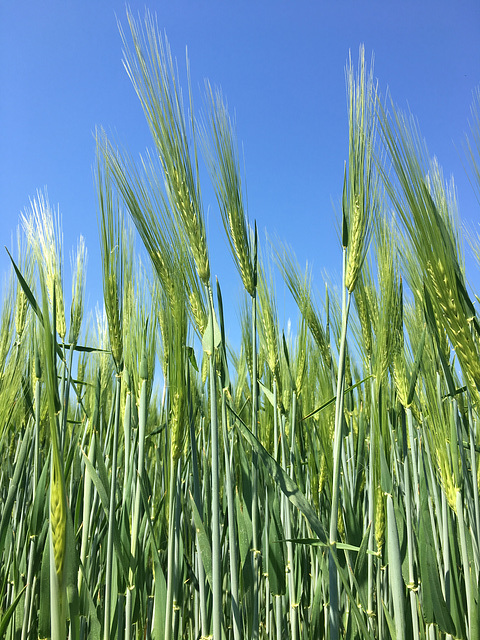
(157, 482)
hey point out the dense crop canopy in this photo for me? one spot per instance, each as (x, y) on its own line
(317, 485)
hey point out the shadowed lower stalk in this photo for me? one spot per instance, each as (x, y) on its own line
(36, 475)
(236, 615)
(472, 615)
(198, 503)
(446, 554)
(142, 422)
(255, 523)
(395, 571)
(87, 497)
(127, 436)
(288, 531)
(111, 511)
(216, 544)
(475, 484)
(409, 510)
(277, 598)
(174, 517)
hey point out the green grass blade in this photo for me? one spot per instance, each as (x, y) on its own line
(283, 480)
(7, 616)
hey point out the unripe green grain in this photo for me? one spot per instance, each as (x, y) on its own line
(363, 312)
(379, 516)
(447, 478)
(189, 213)
(78, 290)
(222, 155)
(198, 311)
(400, 377)
(269, 325)
(58, 515)
(21, 307)
(111, 233)
(360, 190)
(354, 261)
(177, 425)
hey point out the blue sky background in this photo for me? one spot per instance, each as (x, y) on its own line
(281, 67)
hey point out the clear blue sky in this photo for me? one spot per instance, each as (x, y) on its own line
(281, 67)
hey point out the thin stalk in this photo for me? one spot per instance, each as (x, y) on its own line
(142, 421)
(434, 506)
(473, 465)
(337, 456)
(57, 605)
(446, 549)
(286, 517)
(380, 614)
(198, 502)
(177, 531)
(410, 549)
(36, 454)
(446, 553)
(173, 505)
(414, 456)
(66, 380)
(435, 540)
(288, 533)
(395, 571)
(36, 474)
(466, 566)
(232, 536)
(28, 592)
(111, 511)
(278, 599)
(87, 498)
(127, 435)
(268, 615)
(255, 524)
(371, 510)
(216, 544)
